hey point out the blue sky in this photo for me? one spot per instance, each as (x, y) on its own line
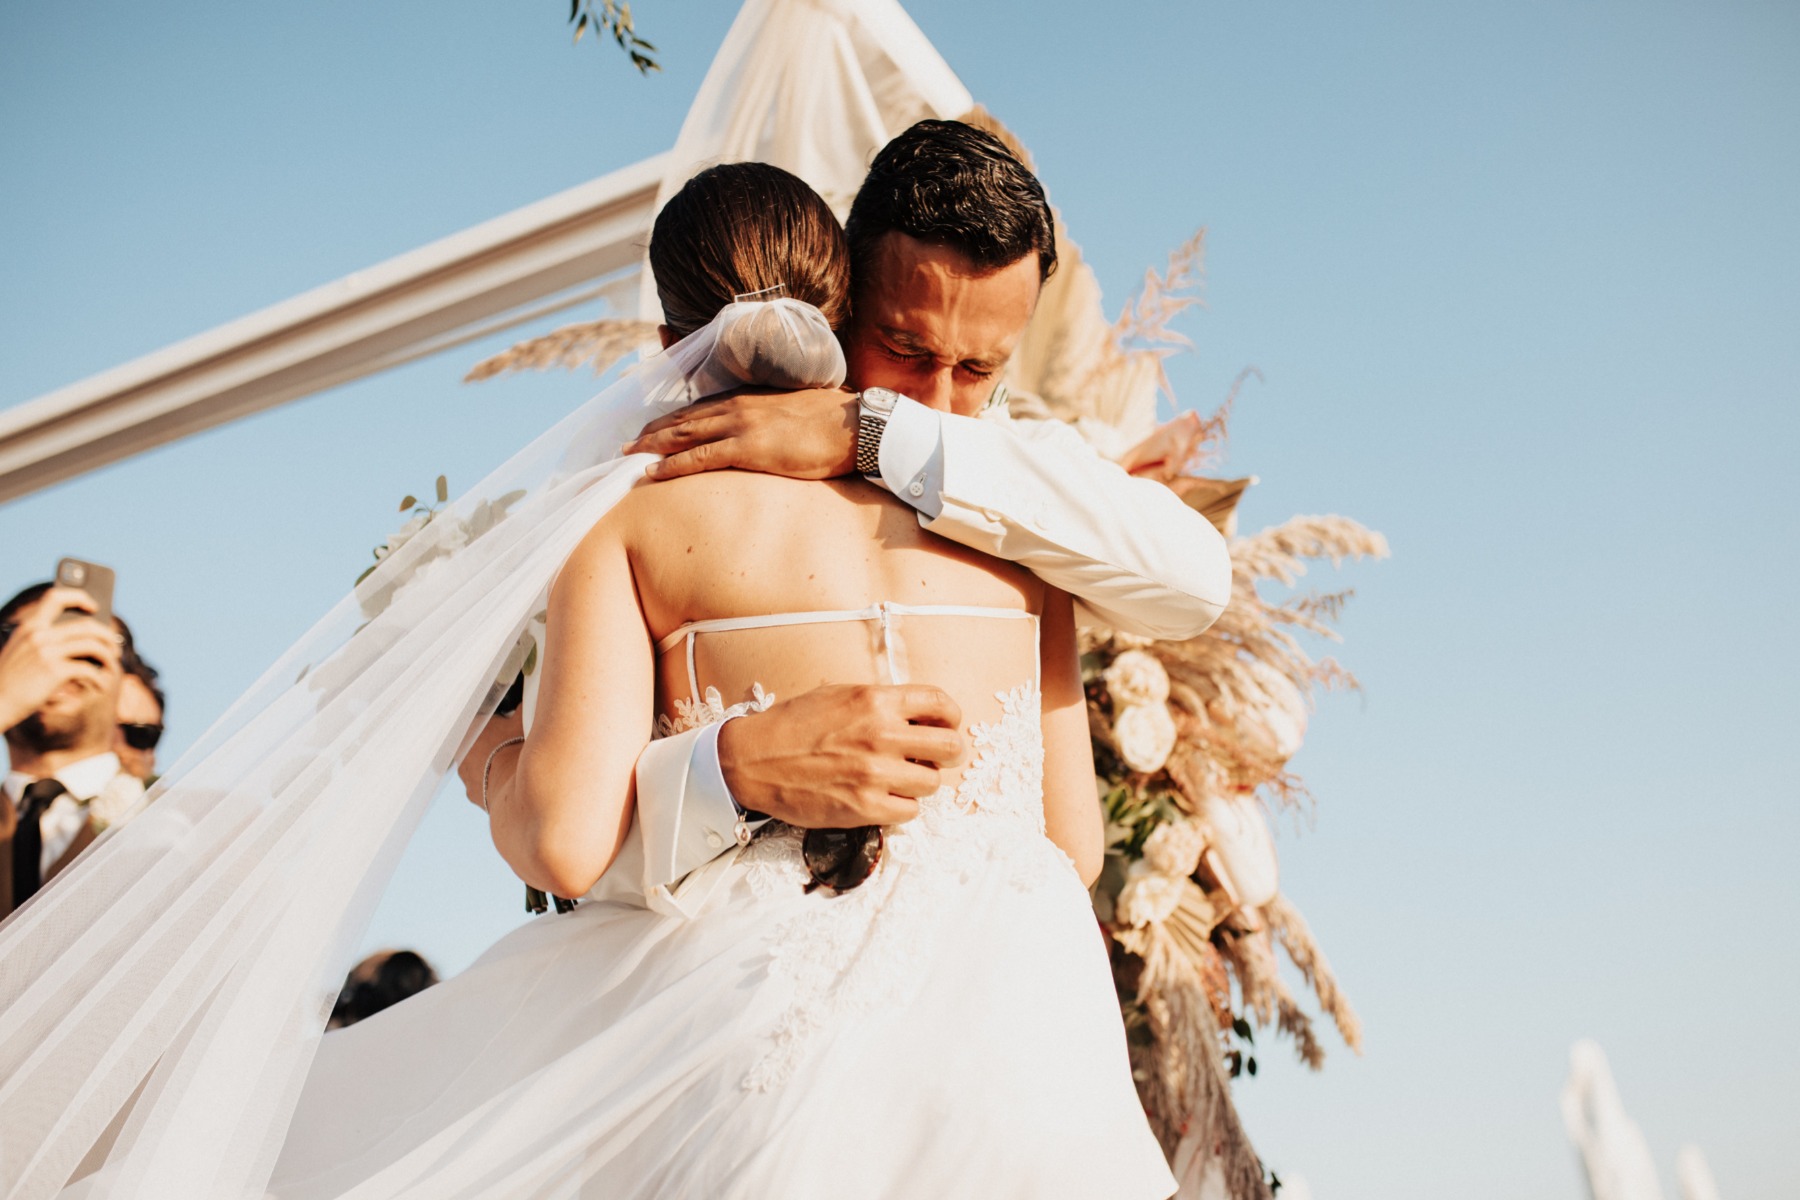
(1524, 285)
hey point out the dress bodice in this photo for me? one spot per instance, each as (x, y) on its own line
(887, 615)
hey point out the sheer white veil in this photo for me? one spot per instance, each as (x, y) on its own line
(191, 956)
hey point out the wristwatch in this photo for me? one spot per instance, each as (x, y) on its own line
(874, 406)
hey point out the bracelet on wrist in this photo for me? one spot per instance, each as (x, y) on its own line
(488, 767)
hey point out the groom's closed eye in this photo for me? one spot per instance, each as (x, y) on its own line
(902, 351)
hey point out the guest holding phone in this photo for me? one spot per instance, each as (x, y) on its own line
(60, 672)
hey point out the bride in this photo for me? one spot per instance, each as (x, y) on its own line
(920, 1011)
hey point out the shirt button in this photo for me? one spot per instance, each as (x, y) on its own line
(713, 840)
(915, 488)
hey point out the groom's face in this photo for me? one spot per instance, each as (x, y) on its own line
(934, 326)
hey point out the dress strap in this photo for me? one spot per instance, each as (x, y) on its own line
(822, 616)
(893, 649)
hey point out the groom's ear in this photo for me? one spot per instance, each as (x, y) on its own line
(667, 335)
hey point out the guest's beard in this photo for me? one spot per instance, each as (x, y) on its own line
(38, 737)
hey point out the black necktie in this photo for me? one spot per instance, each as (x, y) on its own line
(28, 839)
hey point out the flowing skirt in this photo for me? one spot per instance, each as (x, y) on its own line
(948, 1029)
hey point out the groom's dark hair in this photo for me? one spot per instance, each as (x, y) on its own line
(954, 185)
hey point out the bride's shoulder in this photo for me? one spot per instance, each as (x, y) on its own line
(723, 499)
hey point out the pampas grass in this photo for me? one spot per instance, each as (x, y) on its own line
(595, 344)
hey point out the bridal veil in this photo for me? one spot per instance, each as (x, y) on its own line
(161, 1003)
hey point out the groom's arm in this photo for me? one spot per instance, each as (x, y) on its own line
(1031, 492)
(1035, 493)
(833, 758)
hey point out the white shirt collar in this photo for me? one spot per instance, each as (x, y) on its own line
(84, 779)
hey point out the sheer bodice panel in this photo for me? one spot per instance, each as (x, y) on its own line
(975, 653)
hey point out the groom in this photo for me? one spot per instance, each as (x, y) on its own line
(951, 240)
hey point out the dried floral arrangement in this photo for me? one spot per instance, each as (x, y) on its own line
(1192, 739)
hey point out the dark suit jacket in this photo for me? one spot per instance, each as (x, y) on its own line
(9, 823)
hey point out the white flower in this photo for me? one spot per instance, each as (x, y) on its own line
(1278, 712)
(1148, 896)
(1243, 851)
(115, 802)
(1136, 678)
(402, 535)
(1145, 734)
(1174, 848)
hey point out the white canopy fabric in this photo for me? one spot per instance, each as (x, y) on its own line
(1613, 1151)
(815, 86)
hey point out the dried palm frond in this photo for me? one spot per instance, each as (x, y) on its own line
(1215, 499)
(598, 343)
(1293, 1020)
(1297, 939)
(1148, 317)
(1180, 1071)
(1280, 552)
(1250, 954)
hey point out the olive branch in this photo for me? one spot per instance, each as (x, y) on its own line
(611, 18)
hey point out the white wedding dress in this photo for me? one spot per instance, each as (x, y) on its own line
(948, 1029)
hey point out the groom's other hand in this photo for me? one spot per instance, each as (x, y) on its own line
(802, 435)
(844, 755)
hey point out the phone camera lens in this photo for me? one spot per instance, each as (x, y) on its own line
(74, 575)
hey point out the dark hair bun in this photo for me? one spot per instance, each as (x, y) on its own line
(741, 228)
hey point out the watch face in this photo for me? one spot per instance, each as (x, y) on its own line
(880, 399)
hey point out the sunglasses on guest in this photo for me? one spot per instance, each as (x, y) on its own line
(141, 736)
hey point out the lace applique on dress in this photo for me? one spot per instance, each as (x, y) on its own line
(772, 862)
(710, 709)
(847, 954)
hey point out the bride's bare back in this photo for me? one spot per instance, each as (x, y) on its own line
(738, 544)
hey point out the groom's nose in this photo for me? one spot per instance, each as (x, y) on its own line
(935, 388)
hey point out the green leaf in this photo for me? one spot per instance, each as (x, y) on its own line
(365, 574)
(1250, 1066)
(574, 7)
(443, 488)
(1242, 1028)
(530, 659)
(409, 502)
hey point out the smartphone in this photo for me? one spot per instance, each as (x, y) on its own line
(92, 578)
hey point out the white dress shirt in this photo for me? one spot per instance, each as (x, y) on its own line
(1031, 492)
(62, 822)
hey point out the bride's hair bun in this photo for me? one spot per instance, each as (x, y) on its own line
(741, 228)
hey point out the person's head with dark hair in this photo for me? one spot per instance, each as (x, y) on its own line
(70, 714)
(380, 981)
(139, 716)
(9, 612)
(741, 228)
(951, 239)
(953, 185)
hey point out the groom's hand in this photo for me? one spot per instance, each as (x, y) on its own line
(843, 755)
(802, 435)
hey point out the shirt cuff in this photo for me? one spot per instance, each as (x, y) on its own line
(912, 456)
(711, 797)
